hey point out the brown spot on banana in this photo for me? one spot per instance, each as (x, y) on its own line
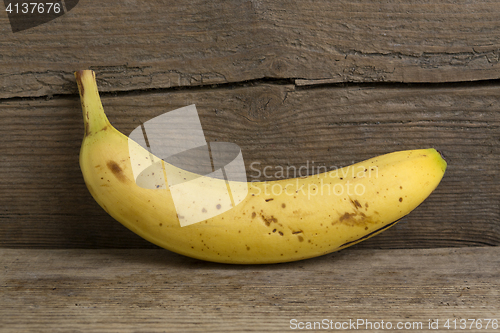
(87, 130)
(268, 220)
(358, 218)
(347, 217)
(117, 171)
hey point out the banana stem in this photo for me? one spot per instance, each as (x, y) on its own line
(94, 117)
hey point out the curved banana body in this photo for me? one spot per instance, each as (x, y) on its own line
(277, 221)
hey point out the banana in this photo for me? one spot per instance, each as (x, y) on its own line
(276, 221)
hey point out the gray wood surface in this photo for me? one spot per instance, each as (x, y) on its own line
(157, 291)
(161, 44)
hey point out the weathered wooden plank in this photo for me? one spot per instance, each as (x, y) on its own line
(278, 127)
(157, 291)
(134, 45)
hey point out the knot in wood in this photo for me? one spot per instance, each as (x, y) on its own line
(263, 105)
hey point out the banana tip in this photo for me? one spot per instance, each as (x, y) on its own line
(443, 159)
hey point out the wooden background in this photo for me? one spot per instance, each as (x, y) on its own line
(290, 82)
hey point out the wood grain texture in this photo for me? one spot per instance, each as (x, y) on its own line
(160, 44)
(278, 127)
(157, 291)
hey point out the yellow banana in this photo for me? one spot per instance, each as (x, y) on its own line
(276, 221)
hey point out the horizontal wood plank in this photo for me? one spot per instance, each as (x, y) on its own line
(158, 291)
(278, 127)
(161, 44)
